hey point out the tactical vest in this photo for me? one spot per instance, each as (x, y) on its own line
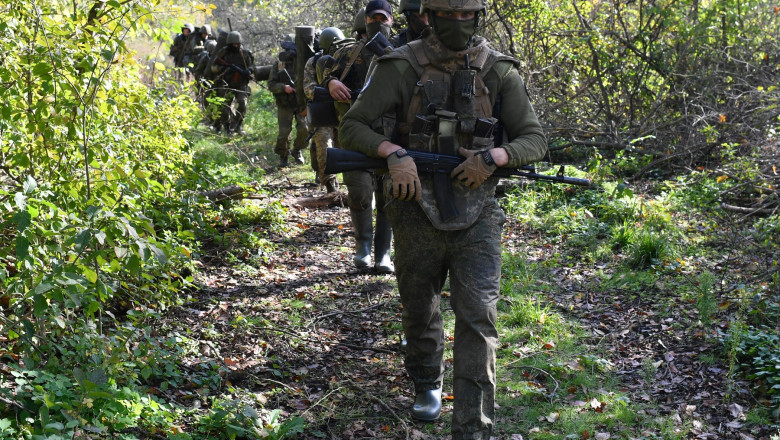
(451, 107)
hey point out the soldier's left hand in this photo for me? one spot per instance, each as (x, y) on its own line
(477, 167)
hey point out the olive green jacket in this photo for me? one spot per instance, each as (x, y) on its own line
(392, 84)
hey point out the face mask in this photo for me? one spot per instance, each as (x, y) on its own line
(376, 27)
(416, 25)
(454, 34)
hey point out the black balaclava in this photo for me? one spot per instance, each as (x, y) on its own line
(376, 27)
(414, 26)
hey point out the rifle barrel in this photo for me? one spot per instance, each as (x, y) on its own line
(338, 161)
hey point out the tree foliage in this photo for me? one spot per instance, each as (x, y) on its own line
(92, 208)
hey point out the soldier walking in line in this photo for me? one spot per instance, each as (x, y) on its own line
(348, 75)
(449, 91)
(323, 138)
(232, 68)
(282, 84)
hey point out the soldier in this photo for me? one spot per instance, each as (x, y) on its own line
(282, 84)
(416, 22)
(180, 49)
(329, 40)
(198, 42)
(232, 67)
(348, 75)
(202, 82)
(449, 90)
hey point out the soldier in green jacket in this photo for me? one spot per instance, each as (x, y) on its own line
(346, 78)
(451, 94)
(281, 83)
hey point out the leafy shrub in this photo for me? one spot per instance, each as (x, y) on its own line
(648, 249)
(758, 356)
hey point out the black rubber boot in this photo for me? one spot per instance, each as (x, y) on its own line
(427, 405)
(361, 224)
(382, 241)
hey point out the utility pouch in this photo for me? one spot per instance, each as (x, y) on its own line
(463, 99)
(421, 132)
(321, 110)
(436, 93)
(447, 136)
(483, 133)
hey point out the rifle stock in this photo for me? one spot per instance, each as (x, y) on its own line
(339, 161)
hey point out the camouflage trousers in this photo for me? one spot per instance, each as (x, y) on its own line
(285, 117)
(424, 257)
(323, 139)
(362, 187)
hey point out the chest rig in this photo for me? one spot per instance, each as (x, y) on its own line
(450, 108)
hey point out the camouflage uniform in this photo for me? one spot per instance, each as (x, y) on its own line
(283, 74)
(203, 84)
(231, 84)
(468, 248)
(181, 53)
(323, 137)
(363, 187)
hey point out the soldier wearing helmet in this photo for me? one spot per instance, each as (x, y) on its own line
(416, 22)
(281, 83)
(329, 40)
(180, 48)
(452, 94)
(232, 68)
(202, 86)
(343, 79)
(359, 24)
(198, 42)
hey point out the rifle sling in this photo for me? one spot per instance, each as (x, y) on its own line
(352, 60)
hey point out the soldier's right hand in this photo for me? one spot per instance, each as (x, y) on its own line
(403, 173)
(339, 91)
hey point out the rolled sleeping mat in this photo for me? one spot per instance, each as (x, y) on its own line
(262, 73)
(304, 48)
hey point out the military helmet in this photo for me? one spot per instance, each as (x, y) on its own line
(206, 29)
(454, 5)
(210, 46)
(233, 38)
(329, 36)
(188, 26)
(409, 6)
(359, 25)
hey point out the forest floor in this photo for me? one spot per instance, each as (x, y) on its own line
(306, 332)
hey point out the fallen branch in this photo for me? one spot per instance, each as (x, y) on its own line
(230, 192)
(335, 198)
(360, 347)
(748, 211)
(382, 404)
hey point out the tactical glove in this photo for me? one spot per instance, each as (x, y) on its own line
(477, 167)
(406, 182)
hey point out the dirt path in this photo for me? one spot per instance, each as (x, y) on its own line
(308, 333)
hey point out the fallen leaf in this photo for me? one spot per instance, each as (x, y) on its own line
(736, 411)
(553, 417)
(602, 436)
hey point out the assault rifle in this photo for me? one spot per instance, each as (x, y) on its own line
(338, 161)
(246, 73)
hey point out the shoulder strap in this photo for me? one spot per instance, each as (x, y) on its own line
(352, 59)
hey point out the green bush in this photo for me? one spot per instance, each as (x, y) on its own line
(649, 249)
